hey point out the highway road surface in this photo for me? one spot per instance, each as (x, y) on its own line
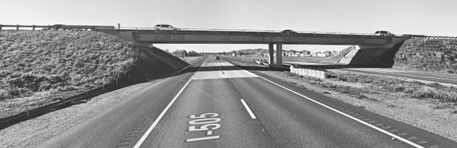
(221, 105)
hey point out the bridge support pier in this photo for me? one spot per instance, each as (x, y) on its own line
(271, 55)
(278, 55)
(271, 58)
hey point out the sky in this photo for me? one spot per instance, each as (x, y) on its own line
(428, 17)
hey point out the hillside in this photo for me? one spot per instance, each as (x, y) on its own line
(439, 55)
(38, 67)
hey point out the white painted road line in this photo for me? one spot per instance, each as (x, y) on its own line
(202, 138)
(145, 135)
(248, 109)
(349, 116)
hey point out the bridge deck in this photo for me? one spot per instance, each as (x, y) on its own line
(260, 37)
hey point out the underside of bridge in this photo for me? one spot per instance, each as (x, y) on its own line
(373, 50)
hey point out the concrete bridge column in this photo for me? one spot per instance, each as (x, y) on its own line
(278, 55)
(271, 58)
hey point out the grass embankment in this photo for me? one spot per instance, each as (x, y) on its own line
(439, 55)
(40, 67)
(374, 84)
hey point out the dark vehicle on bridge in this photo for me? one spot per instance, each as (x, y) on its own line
(414, 36)
(289, 31)
(165, 27)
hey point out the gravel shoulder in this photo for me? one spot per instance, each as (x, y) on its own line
(32, 132)
(428, 114)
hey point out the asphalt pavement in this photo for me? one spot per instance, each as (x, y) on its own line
(222, 105)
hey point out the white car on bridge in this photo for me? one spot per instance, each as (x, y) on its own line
(165, 27)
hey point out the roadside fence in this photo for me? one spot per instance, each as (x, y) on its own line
(308, 72)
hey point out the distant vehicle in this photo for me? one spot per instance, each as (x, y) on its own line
(383, 32)
(414, 36)
(289, 31)
(217, 58)
(165, 27)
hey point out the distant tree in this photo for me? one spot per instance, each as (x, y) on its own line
(180, 53)
(193, 53)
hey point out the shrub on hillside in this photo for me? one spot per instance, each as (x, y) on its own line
(413, 88)
(428, 54)
(60, 61)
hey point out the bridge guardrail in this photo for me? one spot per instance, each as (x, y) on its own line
(62, 26)
(254, 31)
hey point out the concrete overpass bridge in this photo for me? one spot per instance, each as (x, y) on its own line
(374, 50)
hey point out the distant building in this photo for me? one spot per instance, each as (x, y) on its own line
(294, 53)
(305, 53)
(327, 53)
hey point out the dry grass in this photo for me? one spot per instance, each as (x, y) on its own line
(36, 67)
(428, 54)
(350, 82)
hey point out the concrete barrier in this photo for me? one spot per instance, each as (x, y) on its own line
(308, 72)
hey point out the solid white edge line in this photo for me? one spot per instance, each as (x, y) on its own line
(248, 109)
(349, 116)
(145, 135)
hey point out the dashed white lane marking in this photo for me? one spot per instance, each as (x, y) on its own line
(203, 138)
(145, 135)
(222, 74)
(349, 116)
(248, 109)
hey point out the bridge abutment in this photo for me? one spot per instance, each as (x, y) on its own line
(377, 55)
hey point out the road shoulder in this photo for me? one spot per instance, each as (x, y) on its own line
(426, 114)
(35, 131)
